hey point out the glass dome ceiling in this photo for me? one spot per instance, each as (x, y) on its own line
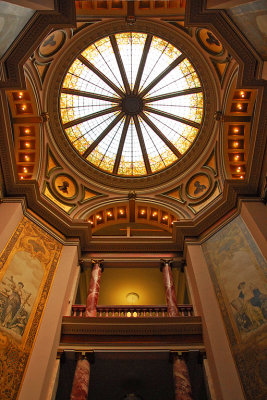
(131, 104)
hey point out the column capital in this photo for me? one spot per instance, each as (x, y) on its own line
(86, 355)
(166, 262)
(177, 353)
(98, 262)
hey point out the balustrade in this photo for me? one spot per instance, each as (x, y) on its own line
(184, 310)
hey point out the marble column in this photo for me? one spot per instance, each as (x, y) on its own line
(169, 289)
(80, 384)
(182, 386)
(94, 287)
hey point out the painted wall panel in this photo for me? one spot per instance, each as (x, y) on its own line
(239, 274)
(27, 267)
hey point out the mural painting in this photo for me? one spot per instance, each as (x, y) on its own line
(239, 273)
(27, 267)
(251, 18)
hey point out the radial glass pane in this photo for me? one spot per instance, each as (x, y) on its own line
(159, 154)
(82, 78)
(179, 134)
(188, 106)
(104, 155)
(96, 91)
(83, 135)
(161, 54)
(73, 107)
(180, 78)
(131, 46)
(132, 162)
(101, 55)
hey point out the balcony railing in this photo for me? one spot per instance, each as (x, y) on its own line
(185, 310)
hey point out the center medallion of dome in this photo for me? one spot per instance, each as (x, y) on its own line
(132, 104)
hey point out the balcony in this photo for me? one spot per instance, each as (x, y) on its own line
(126, 311)
(132, 325)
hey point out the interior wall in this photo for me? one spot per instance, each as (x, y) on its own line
(36, 281)
(27, 268)
(116, 283)
(224, 374)
(147, 282)
(36, 382)
(234, 271)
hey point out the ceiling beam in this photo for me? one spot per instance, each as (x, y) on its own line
(142, 144)
(91, 116)
(173, 94)
(122, 141)
(162, 75)
(116, 50)
(142, 63)
(89, 65)
(76, 92)
(161, 135)
(172, 116)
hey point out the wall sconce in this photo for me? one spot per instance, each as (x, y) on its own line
(132, 298)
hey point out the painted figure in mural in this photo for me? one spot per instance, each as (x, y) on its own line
(19, 321)
(259, 300)
(13, 302)
(249, 309)
(13, 298)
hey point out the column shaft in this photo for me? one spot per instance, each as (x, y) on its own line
(181, 378)
(80, 384)
(170, 291)
(93, 293)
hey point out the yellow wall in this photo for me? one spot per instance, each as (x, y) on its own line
(116, 283)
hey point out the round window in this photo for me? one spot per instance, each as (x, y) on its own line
(131, 104)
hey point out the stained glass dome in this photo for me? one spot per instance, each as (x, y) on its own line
(131, 104)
